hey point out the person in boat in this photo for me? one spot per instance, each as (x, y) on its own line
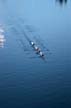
(35, 47)
(41, 54)
(38, 50)
(32, 43)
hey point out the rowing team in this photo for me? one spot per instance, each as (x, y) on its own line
(37, 49)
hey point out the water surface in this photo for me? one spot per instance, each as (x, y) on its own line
(27, 81)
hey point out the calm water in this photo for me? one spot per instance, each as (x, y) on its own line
(27, 81)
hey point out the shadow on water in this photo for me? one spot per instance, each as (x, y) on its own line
(20, 30)
(34, 35)
(62, 1)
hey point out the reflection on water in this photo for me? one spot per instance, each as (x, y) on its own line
(2, 37)
(62, 1)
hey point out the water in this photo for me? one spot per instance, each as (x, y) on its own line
(27, 81)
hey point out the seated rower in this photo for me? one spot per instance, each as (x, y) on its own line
(32, 43)
(37, 49)
(41, 54)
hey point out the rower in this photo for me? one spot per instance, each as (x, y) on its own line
(41, 54)
(32, 43)
(37, 49)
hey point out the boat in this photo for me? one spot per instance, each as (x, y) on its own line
(37, 49)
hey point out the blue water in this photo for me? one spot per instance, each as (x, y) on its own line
(26, 80)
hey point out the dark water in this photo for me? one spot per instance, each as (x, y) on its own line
(27, 81)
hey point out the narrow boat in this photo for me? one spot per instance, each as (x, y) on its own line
(37, 49)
